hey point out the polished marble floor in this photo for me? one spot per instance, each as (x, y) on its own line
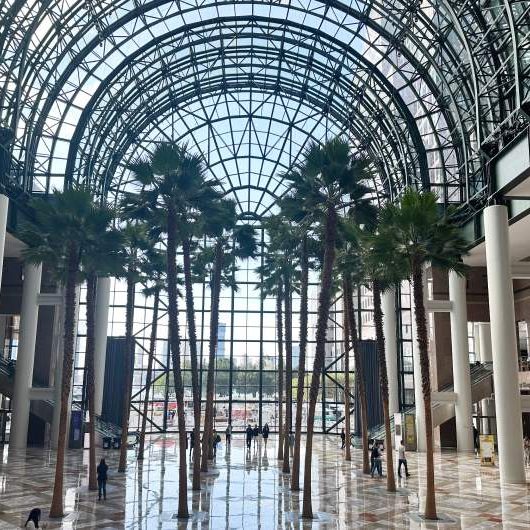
(248, 490)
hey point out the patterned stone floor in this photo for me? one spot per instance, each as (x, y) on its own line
(249, 491)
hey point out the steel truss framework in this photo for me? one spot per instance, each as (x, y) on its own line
(418, 85)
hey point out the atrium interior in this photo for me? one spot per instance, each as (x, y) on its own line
(265, 264)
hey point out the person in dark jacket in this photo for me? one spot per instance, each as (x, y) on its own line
(265, 434)
(343, 439)
(102, 479)
(33, 518)
(249, 433)
(192, 441)
(255, 434)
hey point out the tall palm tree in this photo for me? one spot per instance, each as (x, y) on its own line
(175, 196)
(104, 259)
(309, 250)
(421, 234)
(283, 244)
(232, 242)
(329, 181)
(134, 244)
(351, 269)
(60, 235)
(272, 285)
(154, 280)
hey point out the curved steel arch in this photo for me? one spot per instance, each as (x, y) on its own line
(464, 61)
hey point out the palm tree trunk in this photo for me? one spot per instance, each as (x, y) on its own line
(279, 326)
(91, 284)
(129, 366)
(174, 343)
(288, 372)
(320, 351)
(214, 325)
(346, 332)
(421, 329)
(383, 378)
(192, 341)
(359, 378)
(304, 282)
(149, 374)
(56, 508)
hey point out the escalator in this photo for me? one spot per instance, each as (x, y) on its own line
(442, 409)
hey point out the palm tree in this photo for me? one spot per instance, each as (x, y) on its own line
(232, 242)
(60, 236)
(134, 244)
(329, 180)
(283, 244)
(421, 234)
(175, 196)
(351, 268)
(103, 259)
(154, 279)
(272, 285)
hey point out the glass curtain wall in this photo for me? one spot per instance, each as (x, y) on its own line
(246, 362)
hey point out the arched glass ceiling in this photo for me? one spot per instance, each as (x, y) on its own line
(417, 85)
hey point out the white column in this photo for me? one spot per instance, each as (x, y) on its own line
(461, 372)
(4, 205)
(58, 377)
(101, 324)
(389, 329)
(503, 340)
(486, 356)
(418, 394)
(29, 315)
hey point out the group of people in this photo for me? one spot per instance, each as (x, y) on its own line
(376, 456)
(252, 433)
(214, 441)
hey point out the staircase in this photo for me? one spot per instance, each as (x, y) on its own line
(43, 409)
(442, 411)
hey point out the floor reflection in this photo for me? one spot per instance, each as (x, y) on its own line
(246, 489)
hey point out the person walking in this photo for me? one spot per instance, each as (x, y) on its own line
(249, 433)
(265, 434)
(228, 434)
(402, 459)
(215, 442)
(102, 479)
(377, 460)
(343, 438)
(192, 442)
(526, 445)
(476, 440)
(33, 519)
(255, 434)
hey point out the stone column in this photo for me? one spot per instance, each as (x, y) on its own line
(101, 324)
(461, 372)
(389, 328)
(503, 340)
(29, 315)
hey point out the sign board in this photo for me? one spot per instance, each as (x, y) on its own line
(487, 450)
(409, 428)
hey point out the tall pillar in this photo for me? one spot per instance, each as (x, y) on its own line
(486, 356)
(29, 315)
(389, 329)
(100, 350)
(503, 340)
(461, 372)
(418, 393)
(4, 205)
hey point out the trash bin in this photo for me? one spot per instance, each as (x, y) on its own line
(107, 442)
(116, 442)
